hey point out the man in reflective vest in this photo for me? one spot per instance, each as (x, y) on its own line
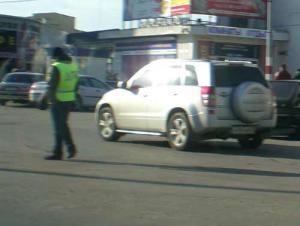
(62, 90)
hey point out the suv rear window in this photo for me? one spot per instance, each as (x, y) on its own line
(234, 75)
(23, 78)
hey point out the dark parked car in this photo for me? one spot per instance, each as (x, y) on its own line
(15, 86)
(288, 107)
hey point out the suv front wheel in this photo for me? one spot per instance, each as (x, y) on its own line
(178, 131)
(107, 125)
(251, 142)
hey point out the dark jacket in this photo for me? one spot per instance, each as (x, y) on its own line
(283, 75)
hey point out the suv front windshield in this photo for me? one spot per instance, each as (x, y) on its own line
(234, 75)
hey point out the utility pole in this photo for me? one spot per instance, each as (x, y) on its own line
(269, 45)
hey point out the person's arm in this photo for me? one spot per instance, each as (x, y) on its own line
(53, 84)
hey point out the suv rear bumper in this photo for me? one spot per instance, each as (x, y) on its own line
(15, 97)
(229, 128)
(225, 133)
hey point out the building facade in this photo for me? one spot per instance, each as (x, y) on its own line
(286, 17)
(130, 49)
(26, 43)
(19, 41)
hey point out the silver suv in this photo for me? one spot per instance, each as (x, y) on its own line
(187, 100)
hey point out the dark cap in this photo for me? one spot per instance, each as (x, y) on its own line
(58, 52)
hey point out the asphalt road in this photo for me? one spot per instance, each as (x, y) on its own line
(140, 180)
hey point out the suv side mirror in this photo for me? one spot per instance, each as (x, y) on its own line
(122, 84)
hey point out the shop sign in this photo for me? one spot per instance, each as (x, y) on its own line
(241, 8)
(216, 50)
(160, 22)
(238, 32)
(233, 50)
(147, 48)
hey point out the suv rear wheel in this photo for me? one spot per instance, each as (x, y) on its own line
(251, 142)
(178, 131)
(107, 125)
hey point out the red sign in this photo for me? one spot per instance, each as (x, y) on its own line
(180, 7)
(179, 10)
(242, 8)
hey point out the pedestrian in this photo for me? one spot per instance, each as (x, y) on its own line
(283, 74)
(63, 85)
(297, 74)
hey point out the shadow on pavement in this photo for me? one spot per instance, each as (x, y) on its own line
(148, 182)
(231, 148)
(221, 170)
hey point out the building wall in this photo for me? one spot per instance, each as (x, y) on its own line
(186, 47)
(55, 28)
(286, 17)
(60, 21)
(20, 40)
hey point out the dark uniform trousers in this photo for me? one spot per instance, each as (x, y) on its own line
(60, 114)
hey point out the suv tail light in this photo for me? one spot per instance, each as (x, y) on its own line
(208, 96)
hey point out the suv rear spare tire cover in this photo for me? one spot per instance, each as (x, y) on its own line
(251, 102)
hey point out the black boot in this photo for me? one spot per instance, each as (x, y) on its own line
(53, 157)
(72, 152)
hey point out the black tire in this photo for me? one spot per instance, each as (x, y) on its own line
(295, 135)
(106, 125)
(2, 102)
(78, 106)
(179, 132)
(251, 142)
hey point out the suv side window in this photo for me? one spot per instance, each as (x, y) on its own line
(168, 76)
(144, 80)
(190, 76)
(233, 75)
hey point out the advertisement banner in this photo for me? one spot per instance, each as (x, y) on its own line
(8, 43)
(144, 9)
(239, 8)
(180, 7)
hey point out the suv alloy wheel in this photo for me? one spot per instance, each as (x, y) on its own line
(178, 131)
(107, 125)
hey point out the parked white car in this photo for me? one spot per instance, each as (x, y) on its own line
(89, 92)
(186, 100)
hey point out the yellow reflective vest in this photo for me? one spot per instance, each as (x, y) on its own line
(68, 79)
